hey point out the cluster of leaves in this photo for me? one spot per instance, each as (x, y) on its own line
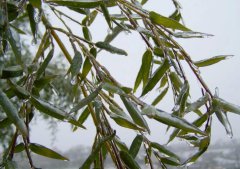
(161, 68)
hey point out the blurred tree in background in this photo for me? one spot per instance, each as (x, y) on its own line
(36, 80)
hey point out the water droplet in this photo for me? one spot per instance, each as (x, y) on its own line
(74, 80)
(66, 76)
(216, 91)
(34, 41)
(109, 31)
(230, 134)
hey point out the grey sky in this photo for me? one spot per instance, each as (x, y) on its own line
(218, 17)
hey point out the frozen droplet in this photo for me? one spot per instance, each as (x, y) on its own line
(74, 80)
(34, 41)
(230, 134)
(109, 31)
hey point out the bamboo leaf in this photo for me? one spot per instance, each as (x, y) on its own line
(146, 65)
(115, 32)
(31, 16)
(166, 22)
(86, 33)
(11, 72)
(197, 104)
(46, 152)
(160, 97)
(190, 34)
(175, 80)
(106, 14)
(136, 145)
(156, 77)
(170, 161)
(164, 150)
(86, 100)
(110, 48)
(19, 148)
(36, 3)
(77, 3)
(211, 61)
(170, 120)
(87, 65)
(182, 99)
(76, 64)
(88, 20)
(135, 113)
(45, 63)
(226, 106)
(128, 160)
(12, 113)
(16, 47)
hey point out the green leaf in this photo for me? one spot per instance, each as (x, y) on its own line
(12, 12)
(106, 14)
(113, 89)
(197, 104)
(86, 100)
(193, 158)
(5, 123)
(125, 121)
(110, 48)
(94, 154)
(115, 32)
(45, 63)
(12, 113)
(76, 64)
(129, 160)
(136, 145)
(88, 20)
(156, 77)
(135, 113)
(48, 108)
(170, 161)
(170, 120)
(36, 3)
(164, 150)
(121, 145)
(19, 91)
(222, 117)
(31, 16)
(145, 70)
(11, 72)
(226, 106)
(87, 65)
(77, 3)
(16, 47)
(19, 148)
(82, 118)
(182, 98)
(123, 17)
(166, 22)
(46, 152)
(17, 29)
(160, 97)
(86, 33)
(211, 61)
(43, 81)
(175, 80)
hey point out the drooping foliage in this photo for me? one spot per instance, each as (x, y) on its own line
(37, 82)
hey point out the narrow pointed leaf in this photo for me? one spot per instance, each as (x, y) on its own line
(16, 47)
(164, 150)
(106, 14)
(110, 48)
(77, 3)
(193, 158)
(87, 65)
(19, 91)
(211, 61)
(175, 80)
(83, 116)
(136, 145)
(170, 161)
(11, 72)
(86, 33)
(12, 113)
(88, 20)
(112, 88)
(158, 74)
(33, 24)
(76, 64)
(160, 97)
(115, 32)
(197, 104)
(86, 100)
(182, 98)
(128, 160)
(226, 106)
(46, 152)
(19, 148)
(146, 65)
(122, 146)
(171, 120)
(166, 22)
(45, 63)
(135, 113)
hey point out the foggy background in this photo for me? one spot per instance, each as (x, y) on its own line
(217, 17)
